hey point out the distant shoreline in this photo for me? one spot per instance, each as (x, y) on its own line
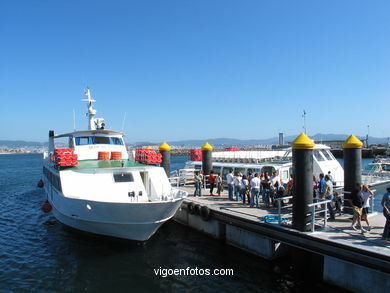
(18, 153)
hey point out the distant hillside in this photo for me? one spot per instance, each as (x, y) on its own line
(21, 143)
(218, 142)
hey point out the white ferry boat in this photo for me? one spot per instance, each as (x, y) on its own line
(119, 198)
(270, 161)
(377, 171)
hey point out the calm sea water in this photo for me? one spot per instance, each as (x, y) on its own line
(38, 254)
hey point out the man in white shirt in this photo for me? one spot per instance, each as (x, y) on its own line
(237, 186)
(230, 182)
(255, 190)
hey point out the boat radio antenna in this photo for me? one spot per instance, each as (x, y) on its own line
(91, 111)
(304, 121)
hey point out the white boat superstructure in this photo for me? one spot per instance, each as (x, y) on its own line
(270, 161)
(377, 172)
(119, 198)
(248, 156)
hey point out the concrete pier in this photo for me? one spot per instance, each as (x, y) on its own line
(341, 253)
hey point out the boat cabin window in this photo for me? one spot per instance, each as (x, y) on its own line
(268, 169)
(225, 171)
(116, 140)
(328, 154)
(239, 170)
(386, 167)
(318, 156)
(85, 140)
(217, 169)
(123, 177)
(198, 167)
(101, 140)
(284, 175)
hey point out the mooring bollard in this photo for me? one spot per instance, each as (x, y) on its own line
(352, 154)
(207, 163)
(165, 151)
(302, 154)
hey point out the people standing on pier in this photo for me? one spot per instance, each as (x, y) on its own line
(275, 184)
(230, 183)
(328, 194)
(386, 212)
(321, 185)
(198, 184)
(315, 187)
(357, 203)
(290, 186)
(367, 193)
(211, 181)
(266, 184)
(237, 185)
(218, 182)
(331, 178)
(201, 178)
(255, 190)
(245, 189)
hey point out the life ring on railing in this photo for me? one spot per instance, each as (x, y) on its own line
(205, 213)
(191, 208)
(197, 209)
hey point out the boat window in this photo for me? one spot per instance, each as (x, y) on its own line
(239, 170)
(330, 155)
(225, 171)
(285, 175)
(197, 167)
(326, 155)
(386, 167)
(318, 156)
(116, 140)
(123, 177)
(101, 140)
(83, 140)
(217, 170)
(268, 169)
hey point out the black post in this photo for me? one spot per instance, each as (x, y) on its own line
(207, 163)
(352, 154)
(165, 151)
(302, 152)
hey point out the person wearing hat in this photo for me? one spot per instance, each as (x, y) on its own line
(386, 212)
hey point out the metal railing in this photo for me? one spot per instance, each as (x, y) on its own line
(280, 199)
(314, 212)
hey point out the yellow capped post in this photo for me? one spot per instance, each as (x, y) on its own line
(164, 147)
(207, 147)
(302, 155)
(352, 142)
(352, 154)
(302, 142)
(207, 163)
(165, 151)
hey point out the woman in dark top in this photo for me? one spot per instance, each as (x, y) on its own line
(357, 203)
(266, 184)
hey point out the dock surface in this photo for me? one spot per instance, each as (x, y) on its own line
(338, 231)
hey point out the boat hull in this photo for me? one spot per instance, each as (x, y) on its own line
(133, 221)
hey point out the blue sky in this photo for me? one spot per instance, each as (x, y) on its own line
(195, 69)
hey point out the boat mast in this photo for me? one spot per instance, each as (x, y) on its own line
(91, 112)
